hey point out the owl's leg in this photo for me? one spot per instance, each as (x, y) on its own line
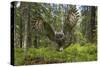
(61, 49)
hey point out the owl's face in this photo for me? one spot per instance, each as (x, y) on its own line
(59, 35)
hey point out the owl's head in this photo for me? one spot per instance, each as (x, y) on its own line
(59, 35)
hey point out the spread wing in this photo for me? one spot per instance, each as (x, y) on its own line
(49, 31)
(71, 20)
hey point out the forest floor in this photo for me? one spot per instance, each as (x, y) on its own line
(73, 53)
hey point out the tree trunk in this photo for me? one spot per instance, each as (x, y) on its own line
(93, 24)
(25, 21)
(20, 33)
(29, 44)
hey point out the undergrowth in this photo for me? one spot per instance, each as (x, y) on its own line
(73, 53)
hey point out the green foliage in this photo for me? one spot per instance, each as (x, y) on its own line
(79, 38)
(19, 56)
(76, 52)
(73, 53)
